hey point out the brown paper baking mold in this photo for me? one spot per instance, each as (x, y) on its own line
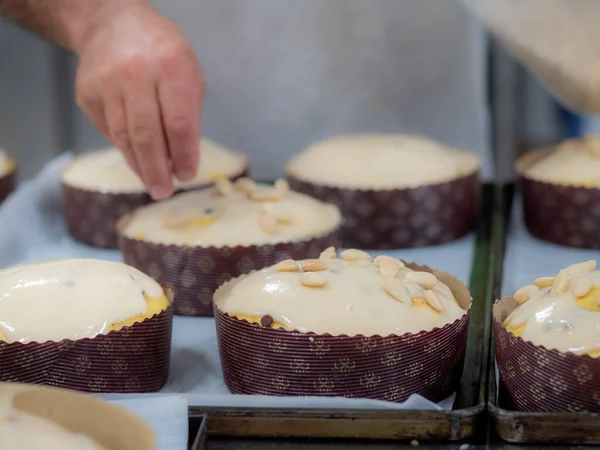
(8, 183)
(134, 359)
(109, 425)
(92, 216)
(194, 273)
(402, 218)
(564, 215)
(266, 361)
(541, 380)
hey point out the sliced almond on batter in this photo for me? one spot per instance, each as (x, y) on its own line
(313, 279)
(524, 294)
(544, 282)
(432, 300)
(288, 265)
(313, 265)
(396, 289)
(328, 253)
(424, 279)
(353, 254)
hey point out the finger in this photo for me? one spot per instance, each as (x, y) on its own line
(147, 139)
(94, 110)
(179, 94)
(116, 120)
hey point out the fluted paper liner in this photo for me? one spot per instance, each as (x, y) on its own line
(8, 182)
(194, 273)
(402, 218)
(134, 359)
(92, 216)
(541, 380)
(267, 361)
(561, 214)
(110, 426)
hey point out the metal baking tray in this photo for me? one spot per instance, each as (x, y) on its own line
(530, 427)
(462, 422)
(197, 432)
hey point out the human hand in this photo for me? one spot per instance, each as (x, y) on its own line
(139, 82)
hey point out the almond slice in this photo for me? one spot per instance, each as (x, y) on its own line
(544, 282)
(283, 215)
(515, 320)
(313, 279)
(282, 186)
(266, 195)
(432, 300)
(224, 187)
(379, 259)
(313, 265)
(353, 254)
(561, 283)
(268, 223)
(388, 268)
(581, 287)
(524, 294)
(288, 265)
(586, 266)
(328, 253)
(424, 279)
(396, 289)
(245, 185)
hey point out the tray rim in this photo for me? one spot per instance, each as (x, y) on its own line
(198, 433)
(453, 425)
(520, 427)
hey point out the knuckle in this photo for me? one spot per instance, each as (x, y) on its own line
(170, 53)
(105, 75)
(143, 136)
(120, 138)
(179, 125)
(133, 66)
(152, 171)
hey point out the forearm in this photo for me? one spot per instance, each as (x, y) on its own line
(66, 22)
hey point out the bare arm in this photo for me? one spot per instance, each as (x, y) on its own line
(138, 80)
(65, 22)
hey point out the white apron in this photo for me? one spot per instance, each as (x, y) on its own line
(284, 73)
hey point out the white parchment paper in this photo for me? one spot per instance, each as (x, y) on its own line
(167, 414)
(528, 258)
(33, 228)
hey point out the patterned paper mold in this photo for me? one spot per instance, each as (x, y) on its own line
(402, 218)
(92, 216)
(561, 214)
(8, 179)
(541, 380)
(194, 273)
(134, 359)
(268, 361)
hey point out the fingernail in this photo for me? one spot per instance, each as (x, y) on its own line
(185, 175)
(160, 192)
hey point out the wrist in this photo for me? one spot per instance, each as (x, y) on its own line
(85, 21)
